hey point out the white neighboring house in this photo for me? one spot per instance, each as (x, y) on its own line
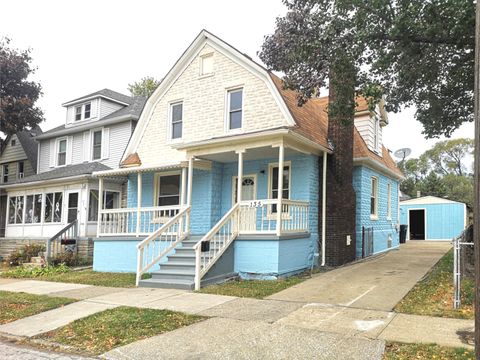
(97, 129)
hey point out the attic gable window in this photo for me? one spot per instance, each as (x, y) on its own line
(176, 118)
(206, 64)
(235, 109)
(13, 142)
(83, 112)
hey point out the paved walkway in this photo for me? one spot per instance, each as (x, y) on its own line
(345, 313)
(379, 283)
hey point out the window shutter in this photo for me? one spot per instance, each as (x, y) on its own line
(106, 143)
(87, 147)
(69, 150)
(52, 152)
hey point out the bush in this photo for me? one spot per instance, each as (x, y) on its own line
(25, 254)
(68, 259)
(32, 272)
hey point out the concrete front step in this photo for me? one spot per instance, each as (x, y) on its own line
(177, 266)
(168, 284)
(187, 274)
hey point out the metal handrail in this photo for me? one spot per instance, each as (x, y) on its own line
(60, 235)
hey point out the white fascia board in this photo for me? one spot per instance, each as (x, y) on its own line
(179, 67)
(428, 200)
(82, 100)
(377, 166)
(39, 183)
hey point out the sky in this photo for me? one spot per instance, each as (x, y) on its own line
(83, 46)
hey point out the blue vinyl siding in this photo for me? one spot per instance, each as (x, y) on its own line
(443, 221)
(383, 228)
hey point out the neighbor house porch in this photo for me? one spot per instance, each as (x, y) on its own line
(270, 216)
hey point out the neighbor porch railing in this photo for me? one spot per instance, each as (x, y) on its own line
(153, 248)
(134, 221)
(261, 216)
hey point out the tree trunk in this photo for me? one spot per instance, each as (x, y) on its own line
(341, 201)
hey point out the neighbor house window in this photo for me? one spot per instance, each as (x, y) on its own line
(5, 173)
(168, 190)
(389, 201)
(33, 209)
(15, 211)
(86, 110)
(374, 197)
(62, 152)
(274, 184)
(176, 115)
(21, 169)
(111, 200)
(235, 109)
(53, 207)
(83, 112)
(206, 64)
(78, 113)
(97, 145)
(13, 142)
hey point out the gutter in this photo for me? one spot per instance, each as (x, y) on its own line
(83, 127)
(49, 181)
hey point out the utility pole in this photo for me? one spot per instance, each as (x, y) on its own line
(476, 205)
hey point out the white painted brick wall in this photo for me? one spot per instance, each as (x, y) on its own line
(204, 105)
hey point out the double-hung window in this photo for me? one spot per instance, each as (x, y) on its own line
(274, 184)
(62, 152)
(176, 118)
(374, 198)
(21, 170)
(235, 109)
(97, 145)
(168, 190)
(86, 110)
(5, 173)
(78, 113)
(83, 112)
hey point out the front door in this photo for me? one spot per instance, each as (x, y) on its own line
(72, 211)
(249, 192)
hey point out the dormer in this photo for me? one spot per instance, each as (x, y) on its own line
(94, 106)
(370, 124)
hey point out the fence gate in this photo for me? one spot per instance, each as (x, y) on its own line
(367, 241)
(459, 259)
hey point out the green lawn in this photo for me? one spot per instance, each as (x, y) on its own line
(399, 351)
(433, 296)
(108, 329)
(252, 288)
(87, 277)
(14, 305)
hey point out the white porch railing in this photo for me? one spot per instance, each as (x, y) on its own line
(217, 241)
(260, 216)
(124, 221)
(152, 249)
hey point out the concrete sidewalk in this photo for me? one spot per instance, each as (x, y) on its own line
(378, 283)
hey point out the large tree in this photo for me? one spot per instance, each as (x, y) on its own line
(18, 94)
(416, 52)
(145, 87)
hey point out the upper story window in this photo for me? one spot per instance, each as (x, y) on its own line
(206, 64)
(374, 198)
(176, 117)
(62, 152)
(97, 145)
(21, 170)
(13, 142)
(5, 173)
(235, 109)
(83, 112)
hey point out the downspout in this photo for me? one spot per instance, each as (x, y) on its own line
(324, 204)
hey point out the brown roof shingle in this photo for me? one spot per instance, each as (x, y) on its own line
(312, 123)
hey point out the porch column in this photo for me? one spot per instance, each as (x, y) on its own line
(183, 187)
(240, 175)
(139, 202)
(100, 205)
(281, 150)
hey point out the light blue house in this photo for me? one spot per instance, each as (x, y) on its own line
(433, 218)
(217, 117)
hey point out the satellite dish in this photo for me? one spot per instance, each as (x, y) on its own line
(402, 153)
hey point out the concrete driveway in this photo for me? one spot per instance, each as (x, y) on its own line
(378, 283)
